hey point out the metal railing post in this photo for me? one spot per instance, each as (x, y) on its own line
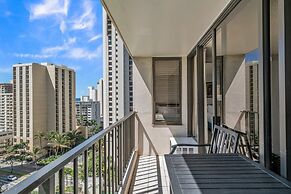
(119, 155)
(94, 168)
(61, 181)
(75, 181)
(48, 187)
(105, 164)
(113, 160)
(116, 160)
(100, 165)
(108, 161)
(86, 171)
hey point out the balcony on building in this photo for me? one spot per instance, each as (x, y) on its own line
(196, 64)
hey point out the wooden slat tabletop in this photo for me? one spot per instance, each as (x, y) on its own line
(222, 173)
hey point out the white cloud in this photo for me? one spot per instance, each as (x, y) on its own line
(5, 70)
(48, 8)
(87, 19)
(75, 67)
(81, 53)
(63, 26)
(67, 50)
(29, 55)
(56, 49)
(94, 38)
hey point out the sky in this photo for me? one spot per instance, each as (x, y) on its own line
(67, 32)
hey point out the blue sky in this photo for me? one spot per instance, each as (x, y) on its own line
(65, 32)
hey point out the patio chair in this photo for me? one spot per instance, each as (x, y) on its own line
(223, 141)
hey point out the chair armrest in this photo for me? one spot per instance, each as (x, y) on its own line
(174, 147)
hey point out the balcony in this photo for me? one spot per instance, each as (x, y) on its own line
(102, 164)
(218, 68)
(110, 162)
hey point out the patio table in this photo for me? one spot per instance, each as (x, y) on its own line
(221, 173)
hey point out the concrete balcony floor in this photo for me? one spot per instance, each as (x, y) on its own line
(151, 176)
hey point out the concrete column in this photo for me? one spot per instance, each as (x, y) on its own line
(284, 11)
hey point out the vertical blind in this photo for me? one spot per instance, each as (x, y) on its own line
(167, 89)
(167, 82)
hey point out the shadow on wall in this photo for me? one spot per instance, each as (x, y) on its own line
(144, 67)
(145, 145)
(234, 86)
(240, 122)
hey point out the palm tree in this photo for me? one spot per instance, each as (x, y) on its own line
(75, 137)
(59, 142)
(11, 156)
(82, 121)
(40, 136)
(94, 129)
(11, 159)
(50, 137)
(34, 154)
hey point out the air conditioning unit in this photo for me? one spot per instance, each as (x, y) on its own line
(183, 149)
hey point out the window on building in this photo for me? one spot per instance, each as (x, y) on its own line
(167, 91)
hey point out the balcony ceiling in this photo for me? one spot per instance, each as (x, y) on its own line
(163, 27)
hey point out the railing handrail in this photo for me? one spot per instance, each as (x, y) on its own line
(40, 176)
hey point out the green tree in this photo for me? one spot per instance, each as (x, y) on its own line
(82, 121)
(59, 142)
(75, 137)
(11, 159)
(36, 151)
(40, 136)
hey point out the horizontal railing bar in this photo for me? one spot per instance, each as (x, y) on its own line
(40, 176)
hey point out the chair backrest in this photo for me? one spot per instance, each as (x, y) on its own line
(223, 141)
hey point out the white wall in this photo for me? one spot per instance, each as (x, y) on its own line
(154, 139)
(234, 91)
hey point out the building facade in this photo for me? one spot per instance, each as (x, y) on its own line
(6, 107)
(100, 97)
(6, 88)
(44, 100)
(117, 74)
(92, 91)
(88, 111)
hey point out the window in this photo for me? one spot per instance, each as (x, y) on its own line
(167, 91)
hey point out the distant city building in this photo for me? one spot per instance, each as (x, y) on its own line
(44, 100)
(92, 92)
(100, 96)
(6, 88)
(117, 73)
(6, 107)
(85, 99)
(88, 111)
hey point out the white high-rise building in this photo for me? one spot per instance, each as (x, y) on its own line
(100, 96)
(117, 74)
(44, 100)
(92, 92)
(6, 107)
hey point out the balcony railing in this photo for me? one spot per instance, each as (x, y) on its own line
(112, 151)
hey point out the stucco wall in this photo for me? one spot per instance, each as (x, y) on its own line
(154, 139)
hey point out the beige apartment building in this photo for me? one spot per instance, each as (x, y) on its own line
(44, 100)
